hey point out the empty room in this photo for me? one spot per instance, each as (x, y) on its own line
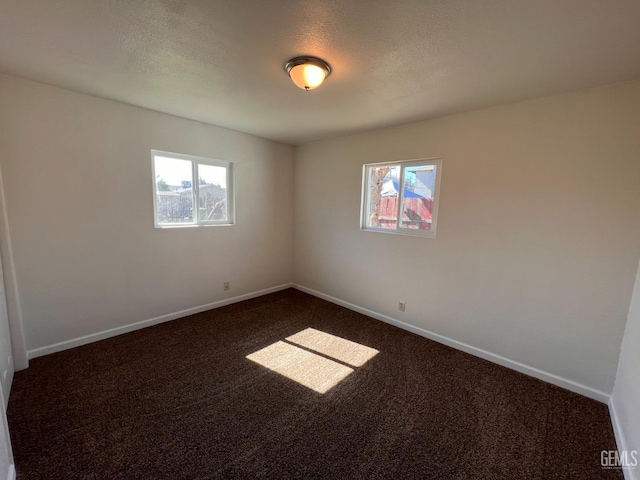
(320, 239)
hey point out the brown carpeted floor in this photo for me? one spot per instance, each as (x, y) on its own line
(180, 400)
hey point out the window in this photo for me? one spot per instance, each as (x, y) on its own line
(401, 197)
(190, 191)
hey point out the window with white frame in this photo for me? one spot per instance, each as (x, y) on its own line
(401, 197)
(189, 191)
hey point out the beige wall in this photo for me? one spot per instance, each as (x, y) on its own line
(78, 186)
(538, 233)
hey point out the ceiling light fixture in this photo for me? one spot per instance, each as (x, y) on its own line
(307, 72)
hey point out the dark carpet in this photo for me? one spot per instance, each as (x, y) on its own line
(180, 401)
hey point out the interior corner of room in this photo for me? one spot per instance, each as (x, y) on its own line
(535, 265)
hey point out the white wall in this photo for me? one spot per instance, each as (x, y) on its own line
(6, 357)
(11, 297)
(625, 400)
(78, 187)
(538, 234)
(7, 469)
(6, 378)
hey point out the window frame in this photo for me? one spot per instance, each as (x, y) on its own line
(195, 189)
(403, 164)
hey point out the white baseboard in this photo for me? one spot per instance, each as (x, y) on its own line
(12, 472)
(94, 337)
(629, 474)
(478, 352)
(514, 365)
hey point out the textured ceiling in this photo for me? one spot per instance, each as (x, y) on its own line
(393, 62)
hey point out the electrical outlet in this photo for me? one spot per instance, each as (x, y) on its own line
(226, 286)
(401, 305)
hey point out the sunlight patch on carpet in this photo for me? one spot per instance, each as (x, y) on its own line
(308, 369)
(346, 351)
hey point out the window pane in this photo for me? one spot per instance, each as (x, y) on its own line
(174, 192)
(382, 211)
(213, 193)
(418, 197)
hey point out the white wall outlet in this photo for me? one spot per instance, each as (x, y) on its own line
(401, 305)
(226, 286)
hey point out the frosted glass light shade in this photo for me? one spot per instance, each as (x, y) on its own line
(307, 76)
(307, 72)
